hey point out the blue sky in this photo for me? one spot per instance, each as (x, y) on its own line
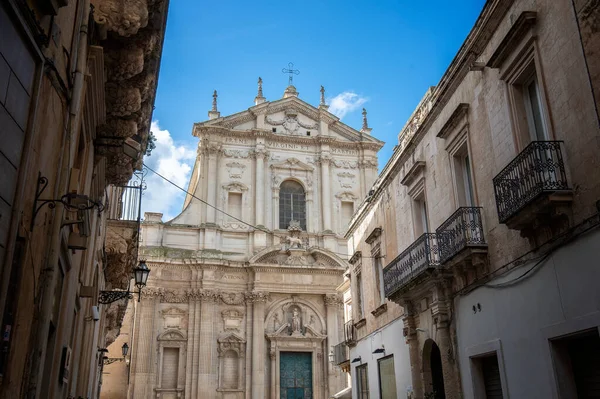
(381, 55)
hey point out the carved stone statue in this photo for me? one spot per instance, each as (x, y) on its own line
(294, 242)
(296, 324)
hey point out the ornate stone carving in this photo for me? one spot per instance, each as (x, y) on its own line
(235, 153)
(173, 317)
(333, 300)
(257, 296)
(122, 101)
(124, 63)
(346, 179)
(291, 123)
(122, 17)
(232, 298)
(121, 128)
(232, 342)
(232, 319)
(340, 163)
(236, 170)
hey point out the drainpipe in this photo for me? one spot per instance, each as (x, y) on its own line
(48, 276)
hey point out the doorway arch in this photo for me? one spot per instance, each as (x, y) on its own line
(433, 376)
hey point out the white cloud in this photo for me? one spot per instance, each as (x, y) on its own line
(173, 161)
(345, 102)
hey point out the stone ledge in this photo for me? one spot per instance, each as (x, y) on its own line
(380, 310)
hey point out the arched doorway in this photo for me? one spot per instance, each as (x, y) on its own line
(433, 377)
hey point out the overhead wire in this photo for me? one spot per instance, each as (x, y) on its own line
(234, 217)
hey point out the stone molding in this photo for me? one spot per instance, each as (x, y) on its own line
(333, 300)
(186, 295)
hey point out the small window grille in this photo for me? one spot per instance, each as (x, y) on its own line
(274, 130)
(308, 132)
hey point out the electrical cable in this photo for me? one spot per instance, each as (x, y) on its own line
(235, 218)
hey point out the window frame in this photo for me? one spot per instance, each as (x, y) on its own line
(282, 204)
(358, 370)
(379, 361)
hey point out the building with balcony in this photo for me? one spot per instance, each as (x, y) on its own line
(77, 89)
(487, 214)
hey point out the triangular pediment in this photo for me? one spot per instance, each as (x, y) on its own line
(231, 337)
(290, 116)
(294, 164)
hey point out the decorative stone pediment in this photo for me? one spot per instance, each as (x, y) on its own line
(231, 342)
(172, 335)
(235, 187)
(346, 196)
(292, 164)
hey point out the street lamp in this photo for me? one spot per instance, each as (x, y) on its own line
(331, 356)
(141, 277)
(125, 349)
(140, 274)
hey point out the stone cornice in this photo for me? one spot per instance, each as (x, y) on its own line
(460, 112)
(376, 233)
(526, 20)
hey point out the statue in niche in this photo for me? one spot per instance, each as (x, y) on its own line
(312, 320)
(276, 321)
(296, 323)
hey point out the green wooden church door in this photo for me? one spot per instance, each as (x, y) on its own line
(295, 373)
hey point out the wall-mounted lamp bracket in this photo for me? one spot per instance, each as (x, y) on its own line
(71, 201)
(107, 297)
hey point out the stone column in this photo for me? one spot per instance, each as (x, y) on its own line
(260, 186)
(258, 344)
(332, 305)
(410, 333)
(212, 176)
(143, 366)
(190, 350)
(207, 367)
(326, 191)
(440, 311)
(273, 357)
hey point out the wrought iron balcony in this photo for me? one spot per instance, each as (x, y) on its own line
(125, 203)
(539, 169)
(462, 230)
(341, 353)
(421, 256)
(350, 332)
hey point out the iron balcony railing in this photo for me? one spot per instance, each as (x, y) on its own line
(420, 256)
(341, 353)
(125, 202)
(350, 331)
(461, 230)
(537, 169)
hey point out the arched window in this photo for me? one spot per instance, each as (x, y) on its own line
(292, 204)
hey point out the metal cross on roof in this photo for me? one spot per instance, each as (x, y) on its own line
(290, 69)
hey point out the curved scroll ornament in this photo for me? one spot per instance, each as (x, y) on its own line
(122, 17)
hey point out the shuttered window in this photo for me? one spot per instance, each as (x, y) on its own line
(362, 382)
(491, 377)
(170, 368)
(387, 378)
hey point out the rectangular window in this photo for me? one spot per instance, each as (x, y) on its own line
(387, 378)
(359, 296)
(170, 368)
(234, 205)
(421, 224)
(379, 279)
(347, 212)
(534, 110)
(461, 165)
(362, 382)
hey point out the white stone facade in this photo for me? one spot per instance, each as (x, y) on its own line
(230, 294)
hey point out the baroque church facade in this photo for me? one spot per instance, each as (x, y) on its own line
(241, 301)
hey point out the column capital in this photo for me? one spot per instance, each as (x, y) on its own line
(333, 300)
